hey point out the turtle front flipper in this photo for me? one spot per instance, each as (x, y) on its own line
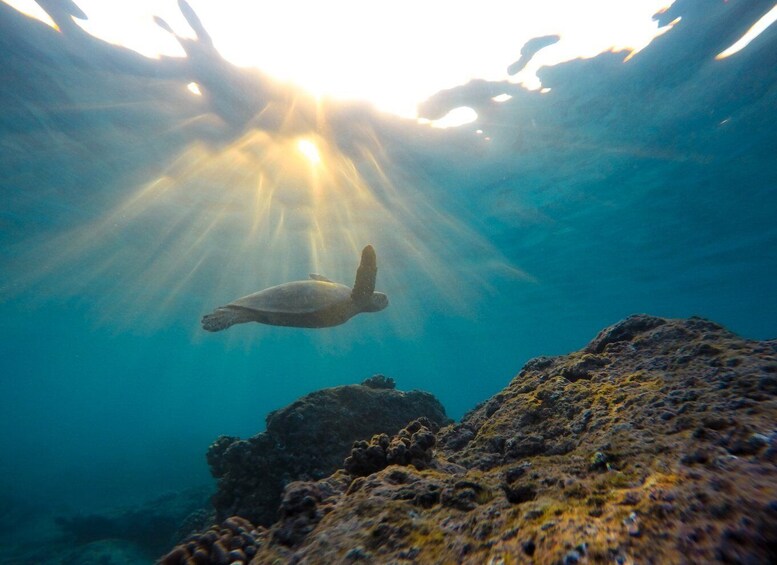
(365, 276)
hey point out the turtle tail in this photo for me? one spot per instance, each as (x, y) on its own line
(222, 318)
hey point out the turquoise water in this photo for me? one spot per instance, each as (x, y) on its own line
(131, 208)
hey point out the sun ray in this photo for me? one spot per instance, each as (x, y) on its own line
(266, 207)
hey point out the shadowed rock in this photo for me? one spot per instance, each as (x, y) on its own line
(308, 440)
(411, 446)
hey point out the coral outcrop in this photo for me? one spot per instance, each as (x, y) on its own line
(232, 542)
(308, 440)
(656, 443)
(411, 446)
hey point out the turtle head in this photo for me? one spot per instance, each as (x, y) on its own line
(377, 302)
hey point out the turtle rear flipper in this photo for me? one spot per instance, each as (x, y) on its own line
(364, 285)
(223, 317)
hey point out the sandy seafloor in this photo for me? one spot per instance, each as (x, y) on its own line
(131, 208)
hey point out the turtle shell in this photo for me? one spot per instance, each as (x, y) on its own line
(298, 297)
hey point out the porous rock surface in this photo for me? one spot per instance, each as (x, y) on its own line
(411, 446)
(308, 440)
(656, 443)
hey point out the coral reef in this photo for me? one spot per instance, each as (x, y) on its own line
(411, 446)
(656, 443)
(235, 541)
(379, 381)
(308, 440)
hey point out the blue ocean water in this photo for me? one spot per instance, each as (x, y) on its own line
(131, 208)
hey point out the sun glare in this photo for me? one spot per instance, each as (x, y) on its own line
(32, 9)
(359, 57)
(757, 29)
(309, 150)
(455, 118)
(131, 25)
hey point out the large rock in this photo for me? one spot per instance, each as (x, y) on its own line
(308, 440)
(656, 443)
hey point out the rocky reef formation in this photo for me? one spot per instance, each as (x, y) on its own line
(412, 445)
(656, 443)
(308, 440)
(233, 542)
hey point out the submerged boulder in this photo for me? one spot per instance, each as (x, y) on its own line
(308, 440)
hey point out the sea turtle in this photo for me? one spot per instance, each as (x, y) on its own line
(314, 303)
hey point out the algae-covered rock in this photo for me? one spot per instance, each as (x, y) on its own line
(411, 446)
(308, 440)
(656, 443)
(234, 540)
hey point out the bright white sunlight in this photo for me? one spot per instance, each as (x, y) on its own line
(392, 54)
